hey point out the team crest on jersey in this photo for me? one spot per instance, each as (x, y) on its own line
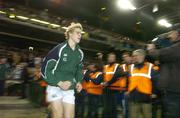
(65, 54)
(64, 59)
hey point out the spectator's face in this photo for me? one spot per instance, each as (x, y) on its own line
(173, 35)
(91, 67)
(3, 60)
(75, 35)
(127, 58)
(138, 58)
(100, 56)
(111, 58)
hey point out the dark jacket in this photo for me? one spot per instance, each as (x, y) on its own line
(169, 58)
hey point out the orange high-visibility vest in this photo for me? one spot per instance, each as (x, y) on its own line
(140, 79)
(123, 80)
(109, 72)
(84, 83)
(94, 88)
(43, 83)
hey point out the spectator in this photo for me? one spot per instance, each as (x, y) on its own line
(169, 79)
(3, 71)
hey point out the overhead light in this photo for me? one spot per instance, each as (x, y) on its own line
(12, 16)
(138, 22)
(22, 17)
(164, 22)
(65, 28)
(31, 48)
(103, 8)
(40, 21)
(55, 25)
(155, 8)
(2, 12)
(126, 4)
(155, 39)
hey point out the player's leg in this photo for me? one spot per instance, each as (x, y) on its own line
(69, 104)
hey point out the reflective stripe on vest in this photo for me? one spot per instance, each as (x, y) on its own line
(111, 72)
(148, 75)
(124, 67)
(140, 79)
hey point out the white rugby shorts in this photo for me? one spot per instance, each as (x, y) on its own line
(56, 93)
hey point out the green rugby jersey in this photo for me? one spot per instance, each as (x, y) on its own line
(63, 64)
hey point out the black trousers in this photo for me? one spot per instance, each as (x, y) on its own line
(2, 85)
(93, 105)
(110, 103)
(170, 104)
(80, 104)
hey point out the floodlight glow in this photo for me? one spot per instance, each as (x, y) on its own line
(65, 28)
(22, 17)
(155, 39)
(55, 25)
(126, 4)
(165, 23)
(155, 8)
(40, 21)
(12, 16)
(2, 12)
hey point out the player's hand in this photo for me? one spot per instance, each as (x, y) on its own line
(78, 87)
(153, 96)
(60, 84)
(64, 85)
(104, 84)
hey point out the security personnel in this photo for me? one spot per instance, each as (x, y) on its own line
(112, 83)
(127, 61)
(140, 86)
(80, 99)
(93, 78)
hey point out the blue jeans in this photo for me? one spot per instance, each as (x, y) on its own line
(170, 105)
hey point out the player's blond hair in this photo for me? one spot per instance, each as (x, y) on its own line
(71, 28)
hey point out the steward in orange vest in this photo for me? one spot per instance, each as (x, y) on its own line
(112, 74)
(140, 86)
(94, 89)
(93, 81)
(112, 86)
(127, 61)
(140, 78)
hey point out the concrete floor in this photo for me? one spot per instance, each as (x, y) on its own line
(13, 107)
